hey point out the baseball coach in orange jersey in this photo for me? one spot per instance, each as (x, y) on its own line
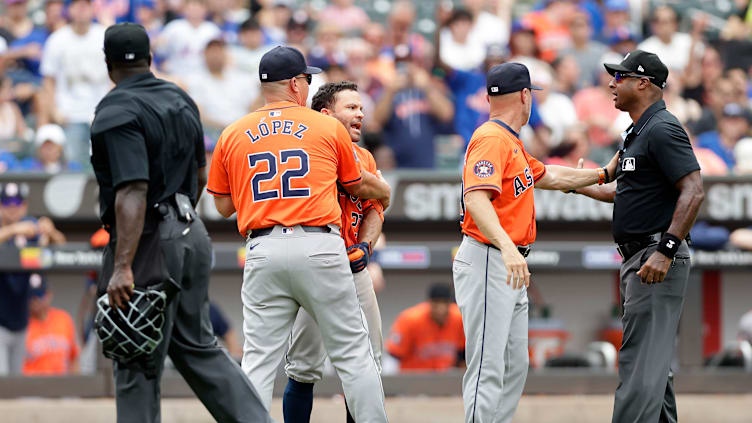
(278, 167)
(498, 224)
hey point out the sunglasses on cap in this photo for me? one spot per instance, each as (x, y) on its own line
(308, 77)
(620, 76)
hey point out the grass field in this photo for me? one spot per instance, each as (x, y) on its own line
(538, 409)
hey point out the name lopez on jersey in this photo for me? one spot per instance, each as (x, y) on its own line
(276, 127)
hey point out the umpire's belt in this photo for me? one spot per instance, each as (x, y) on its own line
(629, 249)
(523, 249)
(266, 231)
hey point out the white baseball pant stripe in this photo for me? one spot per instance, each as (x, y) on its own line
(494, 317)
(306, 355)
(289, 269)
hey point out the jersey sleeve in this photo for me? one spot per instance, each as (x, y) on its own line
(127, 155)
(671, 150)
(484, 165)
(399, 343)
(537, 167)
(218, 184)
(348, 165)
(370, 165)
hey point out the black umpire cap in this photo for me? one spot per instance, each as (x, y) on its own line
(641, 63)
(508, 78)
(126, 42)
(282, 63)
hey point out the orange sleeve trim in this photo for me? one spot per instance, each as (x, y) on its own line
(352, 182)
(477, 187)
(540, 176)
(218, 194)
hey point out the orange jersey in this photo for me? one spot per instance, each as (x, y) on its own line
(280, 165)
(50, 344)
(421, 344)
(354, 208)
(496, 160)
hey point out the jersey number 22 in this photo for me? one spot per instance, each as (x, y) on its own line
(289, 174)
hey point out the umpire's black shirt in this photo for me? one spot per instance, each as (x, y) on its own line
(656, 153)
(146, 129)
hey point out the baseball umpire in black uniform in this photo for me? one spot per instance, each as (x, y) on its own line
(149, 160)
(656, 196)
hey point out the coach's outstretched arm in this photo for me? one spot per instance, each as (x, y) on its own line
(567, 178)
(478, 204)
(371, 187)
(224, 206)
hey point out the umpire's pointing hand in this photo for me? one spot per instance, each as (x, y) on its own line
(517, 271)
(120, 288)
(654, 270)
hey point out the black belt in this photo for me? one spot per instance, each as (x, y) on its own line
(267, 231)
(629, 249)
(523, 249)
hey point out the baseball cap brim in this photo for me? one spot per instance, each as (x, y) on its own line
(312, 70)
(534, 87)
(612, 68)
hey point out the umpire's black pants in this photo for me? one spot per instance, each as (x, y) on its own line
(211, 373)
(651, 319)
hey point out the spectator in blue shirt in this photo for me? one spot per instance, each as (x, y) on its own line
(733, 126)
(49, 158)
(412, 110)
(27, 48)
(469, 90)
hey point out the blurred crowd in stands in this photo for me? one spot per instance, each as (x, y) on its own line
(420, 66)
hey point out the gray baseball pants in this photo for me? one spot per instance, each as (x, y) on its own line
(495, 320)
(651, 318)
(306, 356)
(289, 269)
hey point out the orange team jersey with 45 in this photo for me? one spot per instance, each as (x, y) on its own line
(281, 164)
(354, 208)
(496, 160)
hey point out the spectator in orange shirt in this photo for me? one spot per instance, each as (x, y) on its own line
(51, 347)
(429, 336)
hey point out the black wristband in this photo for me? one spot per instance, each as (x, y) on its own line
(669, 245)
(608, 178)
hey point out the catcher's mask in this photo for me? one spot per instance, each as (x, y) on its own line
(133, 332)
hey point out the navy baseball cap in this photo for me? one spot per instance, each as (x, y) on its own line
(38, 285)
(13, 193)
(508, 78)
(126, 42)
(641, 63)
(440, 291)
(282, 63)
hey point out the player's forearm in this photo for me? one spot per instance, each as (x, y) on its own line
(370, 187)
(478, 204)
(201, 181)
(370, 228)
(688, 204)
(224, 206)
(130, 211)
(605, 193)
(565, 178)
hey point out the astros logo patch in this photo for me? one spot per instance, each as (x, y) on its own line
(483, 169)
